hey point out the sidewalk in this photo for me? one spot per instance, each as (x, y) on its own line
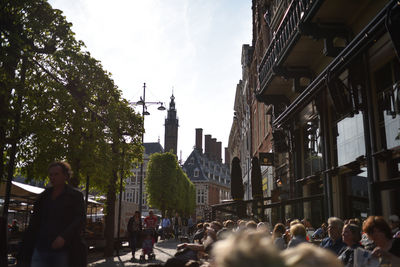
(163, 249)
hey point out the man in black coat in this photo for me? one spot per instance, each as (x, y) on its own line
(53, 237)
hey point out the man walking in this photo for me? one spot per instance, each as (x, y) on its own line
(165, 226)
(53, 237)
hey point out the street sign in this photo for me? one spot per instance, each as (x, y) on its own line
(266, 159)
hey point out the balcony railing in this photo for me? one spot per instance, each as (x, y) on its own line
(284, 36)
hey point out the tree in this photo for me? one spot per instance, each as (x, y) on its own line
(167, 186)
(161, 181)
(58, 103)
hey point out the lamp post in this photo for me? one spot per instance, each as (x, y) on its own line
(143, 103)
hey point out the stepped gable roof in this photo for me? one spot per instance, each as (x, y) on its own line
(151, 148)
(196, 160)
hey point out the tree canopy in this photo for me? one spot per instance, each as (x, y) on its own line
(167, 186)
(58, 103)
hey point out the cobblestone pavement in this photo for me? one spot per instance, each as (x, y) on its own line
(163, 249)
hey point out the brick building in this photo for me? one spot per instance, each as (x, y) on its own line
(210, 176)
(322, 86)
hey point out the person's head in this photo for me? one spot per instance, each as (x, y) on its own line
(295, 221)
(251, 225)
(279, 230)
(377, 229)
(306, 223)
(137, 214)
(298, 230)
(151, 212)
(246, 248)
(262, 226)
(216, 225)
(355, 221)
(335, 228)
(305, 255)
(351, 234)
(211, 233)
(59, 173)
(242, 224)
(229, 224)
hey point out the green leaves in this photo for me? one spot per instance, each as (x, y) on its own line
(70, 108)
(168, 188)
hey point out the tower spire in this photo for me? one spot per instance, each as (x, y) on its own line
(171, 128)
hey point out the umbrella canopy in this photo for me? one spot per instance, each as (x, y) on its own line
(256, 179)
(237, 190)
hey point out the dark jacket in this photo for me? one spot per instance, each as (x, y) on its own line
(71, 218)
(131, 225)
(334, 246)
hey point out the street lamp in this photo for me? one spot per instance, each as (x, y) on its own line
(144, 104)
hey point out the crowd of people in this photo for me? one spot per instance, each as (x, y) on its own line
(54, 236)
(373, 242)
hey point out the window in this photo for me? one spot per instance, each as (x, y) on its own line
(266, 116)
(387, 83)
(200, 196)
(191, 161)
(350, 139)
(196, 173)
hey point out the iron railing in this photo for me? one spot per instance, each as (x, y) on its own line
(284, 36)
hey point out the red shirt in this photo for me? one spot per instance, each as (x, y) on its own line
(150, 222)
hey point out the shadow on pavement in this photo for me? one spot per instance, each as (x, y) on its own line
(170, 244)
(118, 262)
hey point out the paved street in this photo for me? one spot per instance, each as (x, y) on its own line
(163, 250)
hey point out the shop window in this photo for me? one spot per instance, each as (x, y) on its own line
(350, 139)
(312, 148)
(387, 83)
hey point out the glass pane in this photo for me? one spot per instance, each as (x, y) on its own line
(392, 128)
(350, 139)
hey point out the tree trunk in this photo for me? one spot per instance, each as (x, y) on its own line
(110, 206)
(15, 136)
(110, 216)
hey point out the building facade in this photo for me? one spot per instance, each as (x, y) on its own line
(323, 81)
(209, 175)
(132, 187)
(171, 128)
(332, 68)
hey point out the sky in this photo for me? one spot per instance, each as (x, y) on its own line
(191, 48)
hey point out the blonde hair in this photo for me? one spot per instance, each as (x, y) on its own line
(298, 230)
(305, 255)
(247, 248)
(295, 221)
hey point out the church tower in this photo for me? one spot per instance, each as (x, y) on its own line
(171, 129)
